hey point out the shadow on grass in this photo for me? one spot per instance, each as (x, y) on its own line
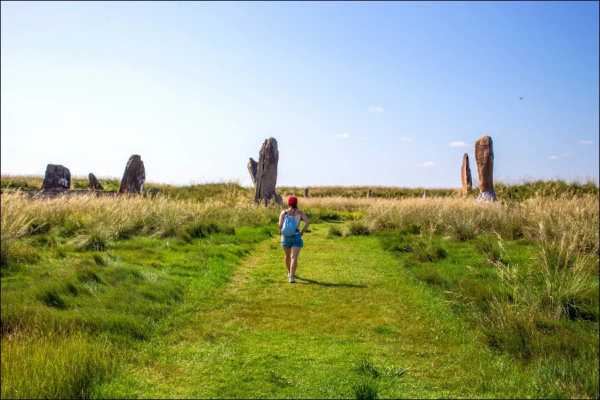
(328, 284)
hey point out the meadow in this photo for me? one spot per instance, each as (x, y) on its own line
(183, 294)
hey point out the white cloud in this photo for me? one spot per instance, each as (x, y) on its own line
(558, 156)
(376, 109)
(342, 135)
(406, 139)
(426, 164)
(585, 142)
(458, 144)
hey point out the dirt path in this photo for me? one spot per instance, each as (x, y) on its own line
(353, 319)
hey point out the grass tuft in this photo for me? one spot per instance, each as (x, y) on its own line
(366, 390)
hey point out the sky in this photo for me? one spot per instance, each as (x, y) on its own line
(356, 93)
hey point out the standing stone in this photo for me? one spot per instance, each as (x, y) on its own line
(56, 179)
(94, 183)
(252, 166)
(134, 176)
(484, 156)
(465, 176)
(266, 173)
(306, 194)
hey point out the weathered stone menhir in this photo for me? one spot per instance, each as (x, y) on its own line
(465, 176)
(134, 176)
(56, 179)
(264, 173)
(484, 156)
(94, 183)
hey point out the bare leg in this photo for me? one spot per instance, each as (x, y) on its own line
(288, 258)
(294, 263)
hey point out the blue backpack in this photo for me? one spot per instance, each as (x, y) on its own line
(290, 225)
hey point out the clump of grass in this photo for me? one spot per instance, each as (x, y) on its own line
(334, 231)
(366, 367)
(366, 390)
(491, 247)
(53, 366)
(99, 260)
(464, 230)
(428, 250)
(567, 274)
(358, 229)
(431, 276)
(15, 224)
(52, 298)
(22, 253)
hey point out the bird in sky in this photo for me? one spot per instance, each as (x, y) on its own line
(521, 97)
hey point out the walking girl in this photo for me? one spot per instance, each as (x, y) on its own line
(291, 235)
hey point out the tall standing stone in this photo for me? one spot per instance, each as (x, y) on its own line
(465, 176)
(484, 156)
(94, 183)
(134, 176)
(266, 173)
(56, 179)
(306, 192)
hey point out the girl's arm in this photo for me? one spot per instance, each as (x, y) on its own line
(280, 224)
(304, 218)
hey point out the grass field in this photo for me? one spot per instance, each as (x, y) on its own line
(186, 296)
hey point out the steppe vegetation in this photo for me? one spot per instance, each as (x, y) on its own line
(181, 294)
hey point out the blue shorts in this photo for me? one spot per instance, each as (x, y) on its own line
(292, 241)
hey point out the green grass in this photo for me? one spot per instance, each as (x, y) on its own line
(200, 309)
(516, 317)
(74, 314)
(356, 324)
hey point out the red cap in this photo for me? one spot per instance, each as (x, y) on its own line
(292, 201)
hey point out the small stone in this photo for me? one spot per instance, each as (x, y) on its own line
(94, 183)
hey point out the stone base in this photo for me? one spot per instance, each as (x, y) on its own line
(487, 196)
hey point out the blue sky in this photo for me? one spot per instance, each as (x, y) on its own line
(355, 93)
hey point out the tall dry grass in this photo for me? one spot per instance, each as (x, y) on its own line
(90, 219)
(467, 218)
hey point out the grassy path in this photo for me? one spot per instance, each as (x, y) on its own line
(353, 319)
